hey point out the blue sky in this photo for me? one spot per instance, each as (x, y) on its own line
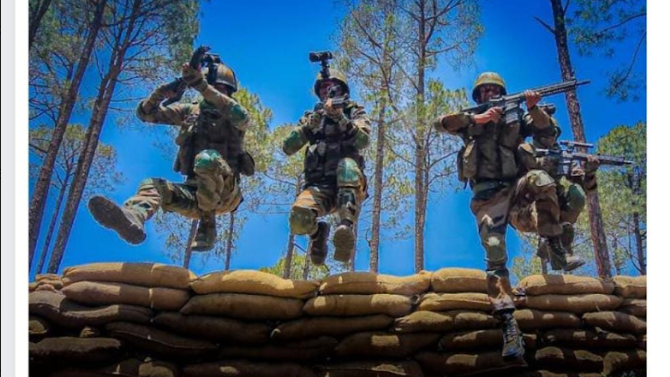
(267, 42)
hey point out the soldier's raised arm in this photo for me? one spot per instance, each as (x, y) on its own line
(357, 129)
(152, 111)
(298, 136)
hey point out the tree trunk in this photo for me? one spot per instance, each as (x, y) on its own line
(229, 241)
(379, 189)
(305, 270)
(598, 237)
(36, 15)
(188, 252)
(100, 108)
(41, 190)
(420, 152)
(288, 261)
(638, 244)
(52, 224)
(352, 260)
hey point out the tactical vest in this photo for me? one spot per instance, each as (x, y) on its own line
(325, 150)
(206, 128)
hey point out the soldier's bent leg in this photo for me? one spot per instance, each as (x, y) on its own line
(312, 203)
(215, 181)
(572, 199)
(350, 192)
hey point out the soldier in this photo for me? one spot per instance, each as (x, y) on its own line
(211, 156)
(488, 162)
(333, 168)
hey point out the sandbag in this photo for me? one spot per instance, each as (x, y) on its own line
(372, 369)
(537, 285)
(479, 340)
(580, 339)
(616, 361)
(556, 358)
(634, 306)
(250, 307)
(159, 342)
(127, 368)
(90, 332)
(333, 326)
(546, 373)
(56, 284)
(458, 280)
(214, 328)
(57, 309)
(616, 321)
(142, 274)
(642, 341)
(38, 328)
(240, 368)
(32, 287)
(254, 282)
(379, 344)
(46, 277)
(458, 364)
(369, 283)
(631, 287)
(64, 351)
(574, 304)
(446, 321)
(455, 301)
(359, 305)
(530, 319)
(93, 293)
(303, 350)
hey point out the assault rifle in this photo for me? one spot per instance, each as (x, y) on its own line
(511, 103)
(323, 57)
(565, 156)
(200, 58)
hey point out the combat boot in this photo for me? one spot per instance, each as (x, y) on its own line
(128, 222)
(318, 244)
(512, 338)
(344, 241)
(573, 262)
(205, 236)
(556, 253)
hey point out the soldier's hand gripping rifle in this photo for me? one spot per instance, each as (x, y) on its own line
(511, 103)
(323, 57)
(565, 155)
(200, 58)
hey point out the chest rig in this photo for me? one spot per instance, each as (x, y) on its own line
(327, 146)
(206, 128)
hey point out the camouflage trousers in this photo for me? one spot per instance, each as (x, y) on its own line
(214, 187)
(344, 199)
(529, 204)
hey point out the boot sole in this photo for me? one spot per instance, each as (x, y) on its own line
(110, 216)
(344, 241)
(573, 267)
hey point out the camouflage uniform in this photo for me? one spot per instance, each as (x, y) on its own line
(333, 168)
(210, 156)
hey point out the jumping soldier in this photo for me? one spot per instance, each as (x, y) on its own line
(211, 156)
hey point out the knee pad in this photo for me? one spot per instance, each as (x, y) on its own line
(348, 173)
(208, 159)
(540, 180)
(302, 220)
(576, 198)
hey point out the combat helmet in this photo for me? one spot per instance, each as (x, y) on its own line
(336, 76)
(224, 75)
(491, 78)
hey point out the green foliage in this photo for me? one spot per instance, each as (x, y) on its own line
(297, 268)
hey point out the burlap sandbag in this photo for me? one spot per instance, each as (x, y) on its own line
(458, 364)
(642, 341)
(634, 306)
(530, 319)
(546, 373)
(446, 321)
(32, 287)
(65, 313)
(455, 301)
(46, 277)
(369, 283)
(631, 287)
(254, 282)
(372, 369)
(55, 284)
(379, 344)
(616, 321)
(587, 339)
(159, 342)
(458, 280)
(479, 340)
(66, 351)
(93, 293)
(38, 328)
(556, 358)
(575, 304)
(250, 307)
(616, 361)
(304, 350)
(214, 328)
(359, 305)
(90, 332)
(241, 368)
(333, 326)
(126, 368)
(143, 274)
(565, 285)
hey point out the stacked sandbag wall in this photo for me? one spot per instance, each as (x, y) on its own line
(141, 319)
